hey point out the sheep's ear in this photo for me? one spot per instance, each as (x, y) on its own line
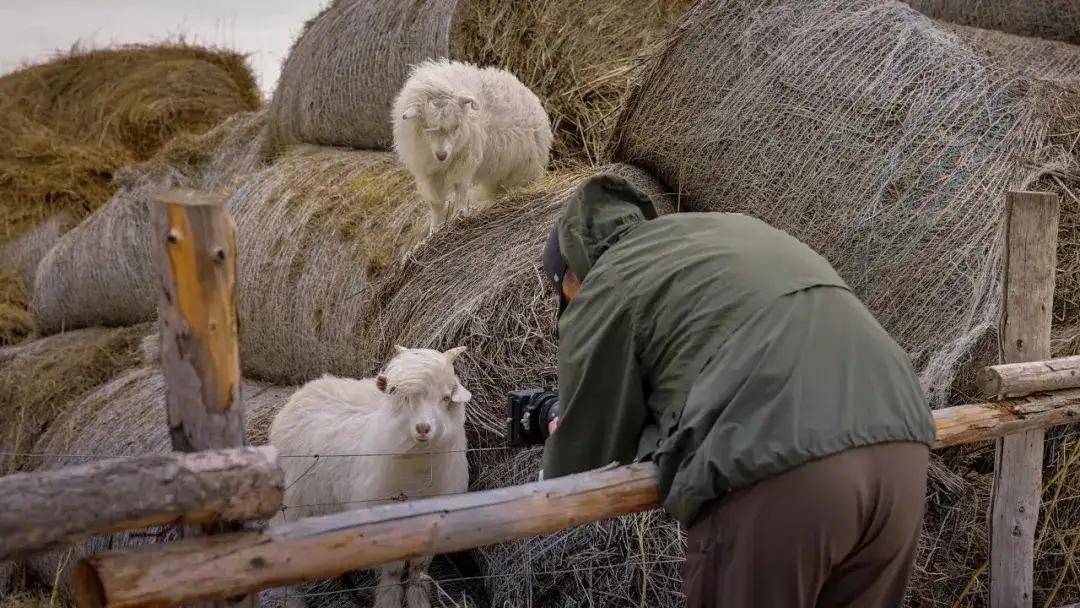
(400, 350)
(467, 100)
(452, 354)
(380, 382)
(410, 114)
(461, 394)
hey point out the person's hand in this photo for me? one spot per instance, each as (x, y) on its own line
(554, 424)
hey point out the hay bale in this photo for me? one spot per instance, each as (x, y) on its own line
(1050, 19)
(338, 82)
(880, 138)
(15, 320)
(314, 230)
(103, 271)
(66, 126)
(40, 379)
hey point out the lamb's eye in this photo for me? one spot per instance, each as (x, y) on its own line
(446, 400)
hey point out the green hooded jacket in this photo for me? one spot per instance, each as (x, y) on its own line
(723, 349)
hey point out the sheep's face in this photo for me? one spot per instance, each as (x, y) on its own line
(441, 119)
(427, 398)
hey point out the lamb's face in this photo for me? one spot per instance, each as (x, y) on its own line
(442, 124)
(427, 398)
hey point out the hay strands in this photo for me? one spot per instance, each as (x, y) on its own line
(199, 569)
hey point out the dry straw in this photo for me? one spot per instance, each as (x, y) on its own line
(1051, 19)
(15, 321)
(66, 126)
(337, 84)
(102, 272)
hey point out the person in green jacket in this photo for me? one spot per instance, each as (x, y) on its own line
(789, 429)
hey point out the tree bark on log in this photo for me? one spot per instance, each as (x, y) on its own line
(47, 510)
(1030, 377)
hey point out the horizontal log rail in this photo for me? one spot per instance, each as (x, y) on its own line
(1030, 377)
(50, 509)
(222, 566)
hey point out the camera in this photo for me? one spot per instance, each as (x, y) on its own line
(530, 412)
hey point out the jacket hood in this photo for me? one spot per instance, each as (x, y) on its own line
(603, 209)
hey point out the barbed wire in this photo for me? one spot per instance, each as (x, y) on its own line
(332, 455)
(483, 577)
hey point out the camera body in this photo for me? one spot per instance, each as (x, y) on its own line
(530, 412)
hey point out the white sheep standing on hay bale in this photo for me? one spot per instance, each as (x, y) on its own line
(411, 417)
(468, 131)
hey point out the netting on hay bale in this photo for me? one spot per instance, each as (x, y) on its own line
(887, 142)
(66, 126)
(102, 272)
(1051, 19)
(339, 80)
(884, 141)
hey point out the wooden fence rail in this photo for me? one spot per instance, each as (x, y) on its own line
(46, 510)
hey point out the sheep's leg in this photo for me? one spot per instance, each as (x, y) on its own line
(418, 590)
(461, 198)
(435, 196)
(390, 591)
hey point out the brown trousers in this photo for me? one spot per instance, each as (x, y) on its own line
(839, 531)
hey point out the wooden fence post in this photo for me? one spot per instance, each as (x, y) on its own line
(1029, 271)
(195, 241)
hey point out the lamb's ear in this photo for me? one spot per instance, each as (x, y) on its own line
(461, 394)
(452, 354)
(400, 350)
(467, 100)
(410, 113)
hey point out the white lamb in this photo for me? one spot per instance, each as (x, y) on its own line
(414, 410)
(468, 131)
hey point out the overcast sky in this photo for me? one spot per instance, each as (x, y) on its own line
(31, 30)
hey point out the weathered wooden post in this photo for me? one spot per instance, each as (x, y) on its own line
(195, 243)
(1029, 271)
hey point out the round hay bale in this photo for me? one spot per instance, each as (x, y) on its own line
(39, 380)
(66, 126)
(1050, 19)
(338, 82)
(314, 230)
(883, 140)
(103, 272)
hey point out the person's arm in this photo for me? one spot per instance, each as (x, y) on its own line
(601, 402)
